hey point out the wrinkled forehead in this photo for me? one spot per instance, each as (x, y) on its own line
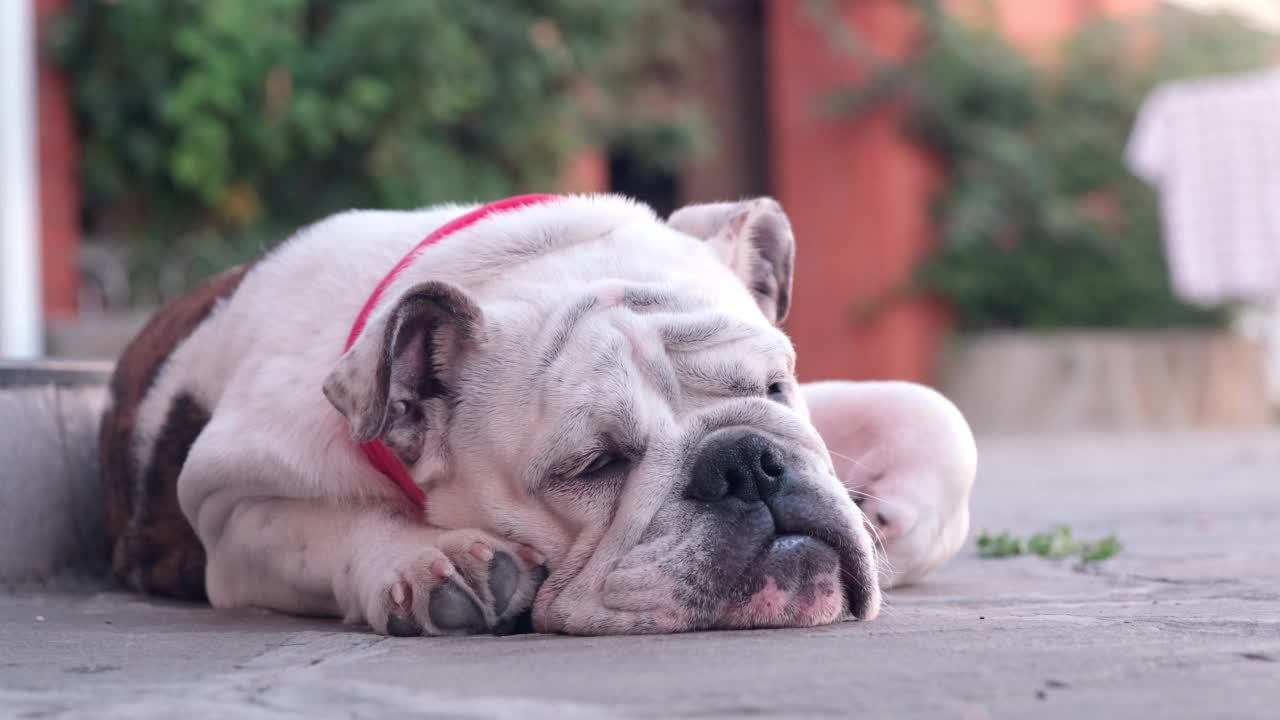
(616, 326)
(621, 359)
(641, 324)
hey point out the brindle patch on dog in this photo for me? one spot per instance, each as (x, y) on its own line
(153, 547)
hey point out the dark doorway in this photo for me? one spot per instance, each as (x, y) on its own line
(631, 176)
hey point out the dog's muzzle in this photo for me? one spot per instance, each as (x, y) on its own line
(791, 550)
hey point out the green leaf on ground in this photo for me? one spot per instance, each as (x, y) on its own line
(1054, 544)
(1104, 549)
(999, 546)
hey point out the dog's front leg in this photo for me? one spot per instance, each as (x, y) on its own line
(368, 563)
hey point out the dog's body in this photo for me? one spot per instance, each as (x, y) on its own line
(588, 396)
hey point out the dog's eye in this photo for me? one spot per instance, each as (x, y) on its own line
(777, 392)
(601, 464)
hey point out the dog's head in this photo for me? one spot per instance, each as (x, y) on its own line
(621, 399)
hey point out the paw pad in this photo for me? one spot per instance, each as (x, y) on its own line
(452, 610)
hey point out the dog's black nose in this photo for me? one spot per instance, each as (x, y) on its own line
(736, 464)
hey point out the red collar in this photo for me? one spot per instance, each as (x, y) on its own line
(382, 458)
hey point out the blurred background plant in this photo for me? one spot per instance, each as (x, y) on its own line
(209, 130)
(932, 154)
(1039, 223)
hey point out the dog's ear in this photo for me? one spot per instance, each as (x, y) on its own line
(753, 237)
(403, 361)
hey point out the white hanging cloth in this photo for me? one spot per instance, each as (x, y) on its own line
(1212, 149)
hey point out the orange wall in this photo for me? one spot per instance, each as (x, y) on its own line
(858, 196)
(59, 181)
(1037, 25)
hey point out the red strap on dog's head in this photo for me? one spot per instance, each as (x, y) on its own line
(379, 456)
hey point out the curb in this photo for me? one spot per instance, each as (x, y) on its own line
(50, 506)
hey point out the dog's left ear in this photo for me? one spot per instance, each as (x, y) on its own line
(395, 381)
(753, 237)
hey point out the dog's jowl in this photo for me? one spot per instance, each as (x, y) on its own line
(597, 405)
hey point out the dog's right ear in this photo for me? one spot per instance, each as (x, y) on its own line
(753, 237)
(404, 358)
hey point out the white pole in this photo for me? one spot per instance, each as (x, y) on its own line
(21, 330)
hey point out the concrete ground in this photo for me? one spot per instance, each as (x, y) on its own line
(1184, 622)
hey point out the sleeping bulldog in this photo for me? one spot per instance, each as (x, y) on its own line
(558, 410)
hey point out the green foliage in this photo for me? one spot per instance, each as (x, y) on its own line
(1054, 544)
(231, 121)
(1104, 549)
(1000, 546)
(1040, 224)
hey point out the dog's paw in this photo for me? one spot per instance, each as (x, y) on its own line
(502, 576)
(466, 583)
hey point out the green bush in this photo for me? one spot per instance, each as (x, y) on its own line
(1040, 225)
(209, 127)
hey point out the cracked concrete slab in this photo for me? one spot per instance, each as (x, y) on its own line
(1183, 623)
